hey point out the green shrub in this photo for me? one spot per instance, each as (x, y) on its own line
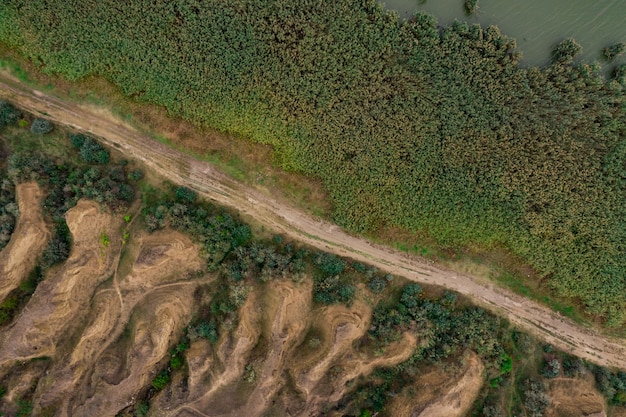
(41, 126)
(536, 401)
(58, 248)
(377, 285)
(566, 51)
(330, 264)
(613, 51)
(161, 380)
(176, 362)
(186, 195)
(471, 6)
(92, 152)
(551, 368)
(8, 114)
(506, 365)
(135, 175)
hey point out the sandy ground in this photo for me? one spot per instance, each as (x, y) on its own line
(438, 393)
(28, 241)
(168, 311)
(575, 398)
(54, 309)
(156, 289)
(283, 218)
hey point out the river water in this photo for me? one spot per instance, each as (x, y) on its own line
(537, 25)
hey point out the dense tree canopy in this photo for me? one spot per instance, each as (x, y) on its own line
(408, 124)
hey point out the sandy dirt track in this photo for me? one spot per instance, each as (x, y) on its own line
(286, 219)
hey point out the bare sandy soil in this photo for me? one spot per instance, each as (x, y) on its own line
(575, 398)
(271, 334)
(54, 309)
(283, 218)
(438, 393)
(28, 241)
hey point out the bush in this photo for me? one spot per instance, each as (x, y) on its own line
(551, 368)
(94, 153)
(58, 249)
(8, 114)
(377, 285)
(78, 140)
(330, 264)
(573, 367)
(331, 290)
(566, 51)
(41, 126)
(613, 51)
(536, 401)
(186, 195)
(135, 175)
(471, 6)
(161, 380)
(208, 331)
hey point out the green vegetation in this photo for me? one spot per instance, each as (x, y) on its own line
(471, 6)
(161, 380)
(410, 126)
(613, 51)
(8, 209)
(445, 325)
(41, 126)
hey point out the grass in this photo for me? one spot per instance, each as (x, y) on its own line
(20, 139)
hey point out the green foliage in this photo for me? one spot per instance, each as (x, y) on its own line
(25, 408)
(215, 229)
(58, 248)
(506, 365)
(142, 409)
(8, 114)
(68, 182)
(611, 384)
(89, 149)
(573, 367)
(551, 368)
(330, 264)
(8, 209)
(135, 175)
(377, 285)
(41, 126)
(208, 331)
(408, 125)
(176, 362)
(8, 308)
(185, 195)
(536, 401)
(613, 51)
(566, 51)
(332, 290)
(471, 6)
(161, 380)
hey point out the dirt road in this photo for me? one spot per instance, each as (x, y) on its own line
(285, 219)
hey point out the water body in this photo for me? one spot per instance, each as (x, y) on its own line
(537, 25)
